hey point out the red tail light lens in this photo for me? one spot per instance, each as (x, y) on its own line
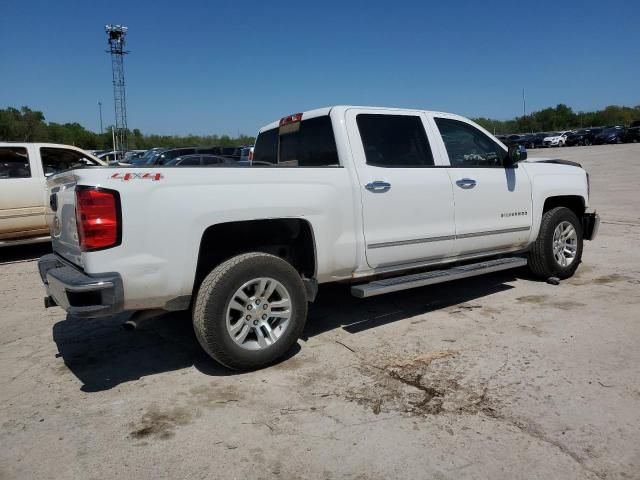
(98, 218)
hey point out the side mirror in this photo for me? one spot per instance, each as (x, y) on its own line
(517, 153)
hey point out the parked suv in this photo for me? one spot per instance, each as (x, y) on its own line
(613, 134)
(633, 132)
(584, 136)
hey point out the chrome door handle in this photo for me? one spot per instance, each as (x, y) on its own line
(466, 183)
(378, 186)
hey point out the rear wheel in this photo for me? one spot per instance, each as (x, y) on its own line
(557, 251)
(250, 310)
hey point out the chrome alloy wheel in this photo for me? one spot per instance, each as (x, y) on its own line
(565, 244)
(258, 313)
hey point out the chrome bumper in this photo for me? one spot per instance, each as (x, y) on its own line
(590, 225)
(76, 292)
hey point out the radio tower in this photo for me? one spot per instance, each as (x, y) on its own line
(115, 35)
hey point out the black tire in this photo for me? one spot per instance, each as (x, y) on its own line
(217, 290)
(541, 261)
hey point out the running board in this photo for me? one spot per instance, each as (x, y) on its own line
(406, 282)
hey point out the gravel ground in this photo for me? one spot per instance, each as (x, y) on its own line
(494, 377)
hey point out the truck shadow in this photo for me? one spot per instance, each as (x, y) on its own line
(102, 355)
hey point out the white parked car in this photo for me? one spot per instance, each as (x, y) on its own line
(556, 139)
(386, 199)
(23, 192)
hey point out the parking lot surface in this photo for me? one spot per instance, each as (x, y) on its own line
(499, 376)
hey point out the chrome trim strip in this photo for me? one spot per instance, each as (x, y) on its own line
(494, 232)
(410, 242)
(446, 237)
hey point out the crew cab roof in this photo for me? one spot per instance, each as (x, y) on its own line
(318, 112)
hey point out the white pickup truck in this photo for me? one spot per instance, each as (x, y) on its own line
(23, 190)
(383, 198)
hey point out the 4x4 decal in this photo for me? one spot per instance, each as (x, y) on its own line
(125, 177)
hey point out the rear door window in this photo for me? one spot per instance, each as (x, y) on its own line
(312, 144)
(14, 163)
(396, 141)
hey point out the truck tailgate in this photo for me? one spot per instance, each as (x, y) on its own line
(61, 216)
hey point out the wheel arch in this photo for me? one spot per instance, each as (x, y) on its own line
(291, 239)
(575, 203)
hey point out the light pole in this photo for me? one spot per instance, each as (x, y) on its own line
(100, 110)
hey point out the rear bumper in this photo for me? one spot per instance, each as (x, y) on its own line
(590, 225)
(76, 292)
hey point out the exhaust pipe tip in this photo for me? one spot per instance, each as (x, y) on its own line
(140, 317)
(129, 326)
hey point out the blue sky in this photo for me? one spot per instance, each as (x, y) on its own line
(208, 67)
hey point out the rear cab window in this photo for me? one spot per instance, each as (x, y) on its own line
(306, 143)
(14, 163)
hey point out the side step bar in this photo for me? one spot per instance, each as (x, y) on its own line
(406, 282)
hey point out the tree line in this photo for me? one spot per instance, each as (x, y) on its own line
(26, 125)
(562, 117)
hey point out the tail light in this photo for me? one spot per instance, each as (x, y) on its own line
(290, 124)
(296, 117)
(98, 218)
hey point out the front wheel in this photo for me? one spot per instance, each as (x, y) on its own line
(557, 251)
(250, 310)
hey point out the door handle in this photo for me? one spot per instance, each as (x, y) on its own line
(378, 186)
(466, 183)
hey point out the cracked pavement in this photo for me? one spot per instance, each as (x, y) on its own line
(493, 377)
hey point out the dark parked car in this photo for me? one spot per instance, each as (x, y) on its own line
(525, 140)
(199, 159)
(584, 136)
(633, 132)
(229, 152)
(148, 157)
(537, 140)
(164, 156)
(612, 134)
